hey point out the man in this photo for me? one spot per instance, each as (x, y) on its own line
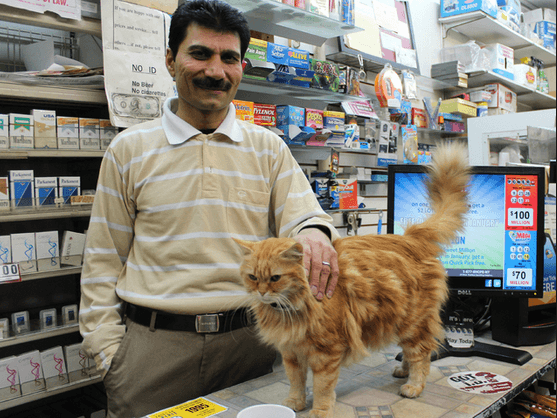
(161, 307)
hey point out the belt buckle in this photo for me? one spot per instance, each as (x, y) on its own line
(207, 323)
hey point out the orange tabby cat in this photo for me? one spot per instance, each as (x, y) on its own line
(391, 289)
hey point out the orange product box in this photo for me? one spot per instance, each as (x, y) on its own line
(314, 118)
(419, 118)
(265, 114)
(244, 110)
(348, 193)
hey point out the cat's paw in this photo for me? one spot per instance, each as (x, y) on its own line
(295, 404)
(411, 391)
(320, 413)
(400, 372)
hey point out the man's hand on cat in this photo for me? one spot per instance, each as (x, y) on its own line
(320, 261)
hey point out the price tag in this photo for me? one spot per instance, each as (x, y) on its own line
(198, 408)
(9, 273)
(520, 217)
(519, 277)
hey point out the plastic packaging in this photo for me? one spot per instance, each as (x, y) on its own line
(388, 87)
(470, 54)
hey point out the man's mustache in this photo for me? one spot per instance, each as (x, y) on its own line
(212, 84)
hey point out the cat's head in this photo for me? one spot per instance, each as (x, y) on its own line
(273, 272)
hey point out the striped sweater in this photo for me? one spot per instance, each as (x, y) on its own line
(169, 200)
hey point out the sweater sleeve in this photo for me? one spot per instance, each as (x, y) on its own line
(109, 238)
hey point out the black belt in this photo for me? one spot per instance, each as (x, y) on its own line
(207, 323)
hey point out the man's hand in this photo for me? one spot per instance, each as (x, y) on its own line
(320, 261)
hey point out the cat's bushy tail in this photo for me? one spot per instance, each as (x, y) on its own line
(448, 176)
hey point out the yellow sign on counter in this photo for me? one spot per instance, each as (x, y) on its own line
(198, 408)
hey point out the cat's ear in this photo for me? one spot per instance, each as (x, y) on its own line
(295, 253)
(246, 246)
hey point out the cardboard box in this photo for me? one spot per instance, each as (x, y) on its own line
(298, 58)
(503, 99)
(24, 252)
(264, 114)
(345, 193)
(54, 367)
(67, 132)
(537, 15)
(31, 373)
(244, 110)
(73, 244)
(22, 188)
(48, 250)
(502, 60)
(461, 106)
(419, 118)
(46, 190)
(5, 249)
(89, 134)
(21, 131)
(68, 187)
(290, 115)
(10, 387)
(4, 132)
(456, 7)
(45, 128)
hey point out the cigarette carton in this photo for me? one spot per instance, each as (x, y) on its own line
(45, 128)
(54, 367)
(48, 250)
(68, 187)
(77, 363)
(21, 131)
(46, 190)
(22, 190)
(24, 252)
(4, 132)
(67, 132)
(89, 134)
(31, 373)
(5, 249)
(4, 193)
(107, 132)
(73, 244)
(244, 110)
(10, 387)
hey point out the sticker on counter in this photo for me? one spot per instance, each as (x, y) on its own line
(486, 383)
(198, 408)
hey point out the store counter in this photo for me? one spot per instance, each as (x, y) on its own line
(367, 389)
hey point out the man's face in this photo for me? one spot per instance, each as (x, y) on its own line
(207, 70)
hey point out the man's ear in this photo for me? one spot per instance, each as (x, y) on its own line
(170, 62)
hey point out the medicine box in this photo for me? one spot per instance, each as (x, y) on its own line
(68, 187)
(48, 250)
(326, 76)
(456, 7)
(5, 249)
(314, 118)
(21, 131)
(54, 367)
(244, 110)
(503, 99)
(502, 60)
(45, 128)
(333, 121)
(73, 244)
(257, 50)
(265, 114)
(4, 193)
(4, 132)
(10, 388)
(46, 190)
(24, 252)
(277, 54)
(77, 363)
(31, 372)
(22, 187)
(67, 132)
(107, 132)
(298, 58)
(290, 115)
(89, 134)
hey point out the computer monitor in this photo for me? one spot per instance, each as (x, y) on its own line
(500, 252)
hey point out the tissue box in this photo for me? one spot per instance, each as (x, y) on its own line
(456, 7)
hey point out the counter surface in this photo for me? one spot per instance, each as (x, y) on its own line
(367, 389)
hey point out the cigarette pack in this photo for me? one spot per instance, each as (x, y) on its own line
(73, 244)
(54, 367)
(46, 190)
(4, 132)
(45, 128)
(10, 387)
(48, 250)
(89, 134)
(68, 187)
(48, 319)
(5, 249)
(31, 372)
(67, 132)
(107, 132)
(4, 193)
(4, 328)
(21, 131)
(24, 252)
(77, 363)
(22, 187)
(69, 314)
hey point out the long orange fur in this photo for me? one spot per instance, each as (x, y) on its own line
(391, 289)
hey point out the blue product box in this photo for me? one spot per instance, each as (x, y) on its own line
(290, 115)
(282, 74)
(46, 190)
(277, 54)
(298, 58)
(303, 78)
(546, 32)
(456, 7)
(22, 190)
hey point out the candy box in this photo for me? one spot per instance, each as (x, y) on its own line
(326, 75)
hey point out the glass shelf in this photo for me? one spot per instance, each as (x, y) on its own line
(38, 335)
(64, 271)
(18, 154)
(21, 92)
(31, 213)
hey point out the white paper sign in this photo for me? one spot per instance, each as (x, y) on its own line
(70, 9)
(486, 383)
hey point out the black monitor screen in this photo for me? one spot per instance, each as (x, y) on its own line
(500, 251)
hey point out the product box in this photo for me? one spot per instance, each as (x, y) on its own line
(89, 134)
(387, 146)
(461, 106)
(73, 244)
(257, 50)
(45, 128)
(526, 76)
(345, 194)
(409, 143)
(277, 54)
(77, 363)
(503, 99)
(20, 322)
(546, 32)
(31, 372)
(333, 120)
(67, 132)
(326, 76)
(244, 110)
(4, 193)
(22, 188)
(5, 249)
(10, 387)
(302, 78)
(456, 7)
(46, 190)
(48, 250)
(24, 252)
(54, 367)
(68, 187)
(298, 58)
(314, 118)
(502, 60)
(4, 132)
(537, 15)
(290, 115)
(419, 118)
(21, 131)
(264, 114)
(107, 132)
(480, 96)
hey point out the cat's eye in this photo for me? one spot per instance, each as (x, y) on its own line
(275, 278)
(252, 277)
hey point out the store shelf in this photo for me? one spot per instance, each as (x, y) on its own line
(19, 154)
(22, 92)
(484, 29)
(64, 271)
(33, 213)
(50, 20)
(289, 22)
(45, 394)
(38, 335)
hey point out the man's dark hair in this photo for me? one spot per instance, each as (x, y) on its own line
(211, 14)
